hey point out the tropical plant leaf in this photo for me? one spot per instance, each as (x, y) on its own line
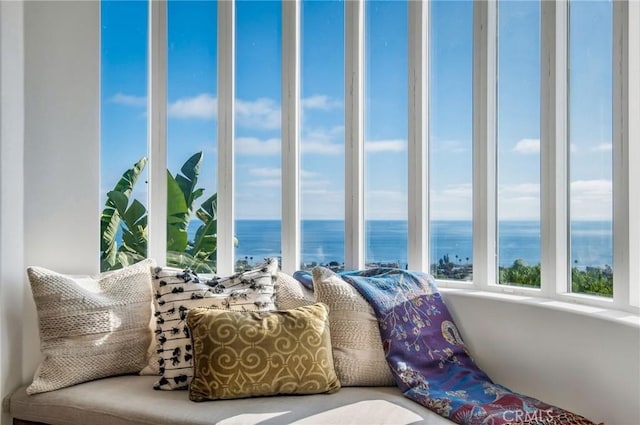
(191, 168)
(130, 217)
(205, 241)
(135, 214)
(177, 217)
(119, 201)
(110, 217)
(189, 180)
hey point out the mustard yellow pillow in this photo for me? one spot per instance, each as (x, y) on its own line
(244, 354)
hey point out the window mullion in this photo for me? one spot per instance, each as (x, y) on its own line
(157, 131)
(553, 145)
(418, 226)
(354, 134)
(626, 177)
(484, 143)
(226, 137)
(290, 135)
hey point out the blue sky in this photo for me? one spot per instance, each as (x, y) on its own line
(192, 107)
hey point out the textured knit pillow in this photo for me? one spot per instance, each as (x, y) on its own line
(246, 354)
(290, 293)
(178, 291)
(91, 328)
(355, 338)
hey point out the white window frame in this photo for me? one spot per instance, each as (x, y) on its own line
(555, 266)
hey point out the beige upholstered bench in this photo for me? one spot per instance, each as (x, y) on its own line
(131, 400)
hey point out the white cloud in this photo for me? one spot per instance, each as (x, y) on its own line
(268, 208)
(255, 146)
(527, 146)
(521, 189)
(265, 183)
(591, 188)
(314, 183)
(308, 174)
(265, 172)
(591, 200)
(602, 147)
(203, 106)
(385, 205)
(462, 190)
(322, 203)
(451, 202)
(322, 148)
(377, 146)
(449, 146)
(323, 141)
(128, 100)
(262, 113)
(519, 201)
(321, 102)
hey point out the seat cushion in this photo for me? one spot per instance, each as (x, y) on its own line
(131, 400)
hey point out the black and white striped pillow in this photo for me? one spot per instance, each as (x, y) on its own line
(177, 291)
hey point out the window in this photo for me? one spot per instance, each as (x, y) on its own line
(548, 96)
(451, 148)
(385, 146)
(258, 123)
(590, 136)
(191, 134)
(322, 140)
(518, 119)
(123, 133)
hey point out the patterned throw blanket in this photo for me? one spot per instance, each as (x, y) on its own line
(429, 360)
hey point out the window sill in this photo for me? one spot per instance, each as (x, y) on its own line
(617, 316)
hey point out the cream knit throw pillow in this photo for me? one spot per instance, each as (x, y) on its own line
(357, 348)
(91, 328)
(291, 294)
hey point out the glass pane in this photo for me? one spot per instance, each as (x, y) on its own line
(192, 134)
(385, 162)
(519, 143)
(258, 122)
(123, 130)
(591, 160)
(322, 141)
(451, 153)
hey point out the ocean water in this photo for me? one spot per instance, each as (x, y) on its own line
(386, 241)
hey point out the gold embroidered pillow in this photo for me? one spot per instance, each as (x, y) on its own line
(246, 354)
(177, 291)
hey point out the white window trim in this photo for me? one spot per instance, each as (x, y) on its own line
(226, 136)
(626, 154)
(484, 144)
(290, 226)
(554, 189)
(157, 131)
(354, 134)
(418, 256)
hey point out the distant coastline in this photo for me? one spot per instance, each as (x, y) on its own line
(386, 242)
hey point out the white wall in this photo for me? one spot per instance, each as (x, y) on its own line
(11, 195)
(61, 146)
(584, 364)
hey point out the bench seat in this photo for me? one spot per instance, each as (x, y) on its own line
(129, 400)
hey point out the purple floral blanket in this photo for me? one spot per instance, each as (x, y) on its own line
(429, 360)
